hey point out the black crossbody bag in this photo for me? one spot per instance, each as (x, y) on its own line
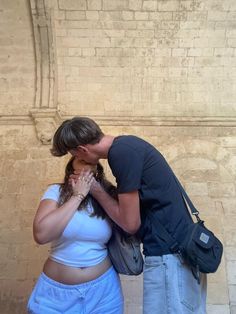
(200, 249)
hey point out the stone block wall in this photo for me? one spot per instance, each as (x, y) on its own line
(170, 58)
(163, 70)
(17, 62)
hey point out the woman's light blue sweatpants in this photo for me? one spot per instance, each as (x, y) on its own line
(100, 296)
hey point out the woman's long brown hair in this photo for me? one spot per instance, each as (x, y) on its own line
(66, 189)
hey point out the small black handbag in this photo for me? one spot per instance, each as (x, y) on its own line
(200, 249)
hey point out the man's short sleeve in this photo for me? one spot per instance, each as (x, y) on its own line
(126, 164)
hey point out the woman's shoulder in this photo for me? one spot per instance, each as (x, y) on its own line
(53, 187)
(52, 192)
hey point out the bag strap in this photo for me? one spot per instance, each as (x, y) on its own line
(173, 244)
(191, 208)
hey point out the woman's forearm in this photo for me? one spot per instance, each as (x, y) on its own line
(51, 220)
(51, 226)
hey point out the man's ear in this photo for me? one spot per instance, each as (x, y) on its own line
(82, 148)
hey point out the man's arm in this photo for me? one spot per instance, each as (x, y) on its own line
(125, 212)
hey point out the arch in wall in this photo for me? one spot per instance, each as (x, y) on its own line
(212, 156)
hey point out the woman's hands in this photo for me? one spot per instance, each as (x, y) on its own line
(81, 183)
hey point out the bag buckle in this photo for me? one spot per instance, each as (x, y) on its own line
(196, 214)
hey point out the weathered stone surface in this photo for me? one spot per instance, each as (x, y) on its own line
(161, 70)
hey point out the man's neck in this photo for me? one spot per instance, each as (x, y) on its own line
(105, 145)
(102, 148)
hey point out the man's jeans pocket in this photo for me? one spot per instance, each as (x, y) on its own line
(189, 289)
(169, 287)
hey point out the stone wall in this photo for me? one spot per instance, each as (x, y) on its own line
(164, 70)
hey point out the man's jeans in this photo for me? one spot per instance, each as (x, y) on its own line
(170, 288)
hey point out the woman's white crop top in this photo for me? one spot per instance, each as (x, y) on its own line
(83, 241)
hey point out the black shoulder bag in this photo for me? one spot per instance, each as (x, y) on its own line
(200, 249)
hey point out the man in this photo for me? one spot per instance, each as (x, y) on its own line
(146, 184)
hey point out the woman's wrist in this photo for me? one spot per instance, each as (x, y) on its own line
(78, 195)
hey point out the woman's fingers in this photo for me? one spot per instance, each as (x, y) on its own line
(83, 182)
(85, 176)
(88, 177)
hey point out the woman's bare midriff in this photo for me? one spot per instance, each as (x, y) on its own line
(74, 275)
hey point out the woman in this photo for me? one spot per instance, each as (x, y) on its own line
(78, 276)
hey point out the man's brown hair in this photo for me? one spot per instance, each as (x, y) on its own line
(74, 132)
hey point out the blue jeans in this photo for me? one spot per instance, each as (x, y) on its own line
(100, 296)
(170, 288)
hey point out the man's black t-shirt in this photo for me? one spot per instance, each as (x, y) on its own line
(137, 165)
